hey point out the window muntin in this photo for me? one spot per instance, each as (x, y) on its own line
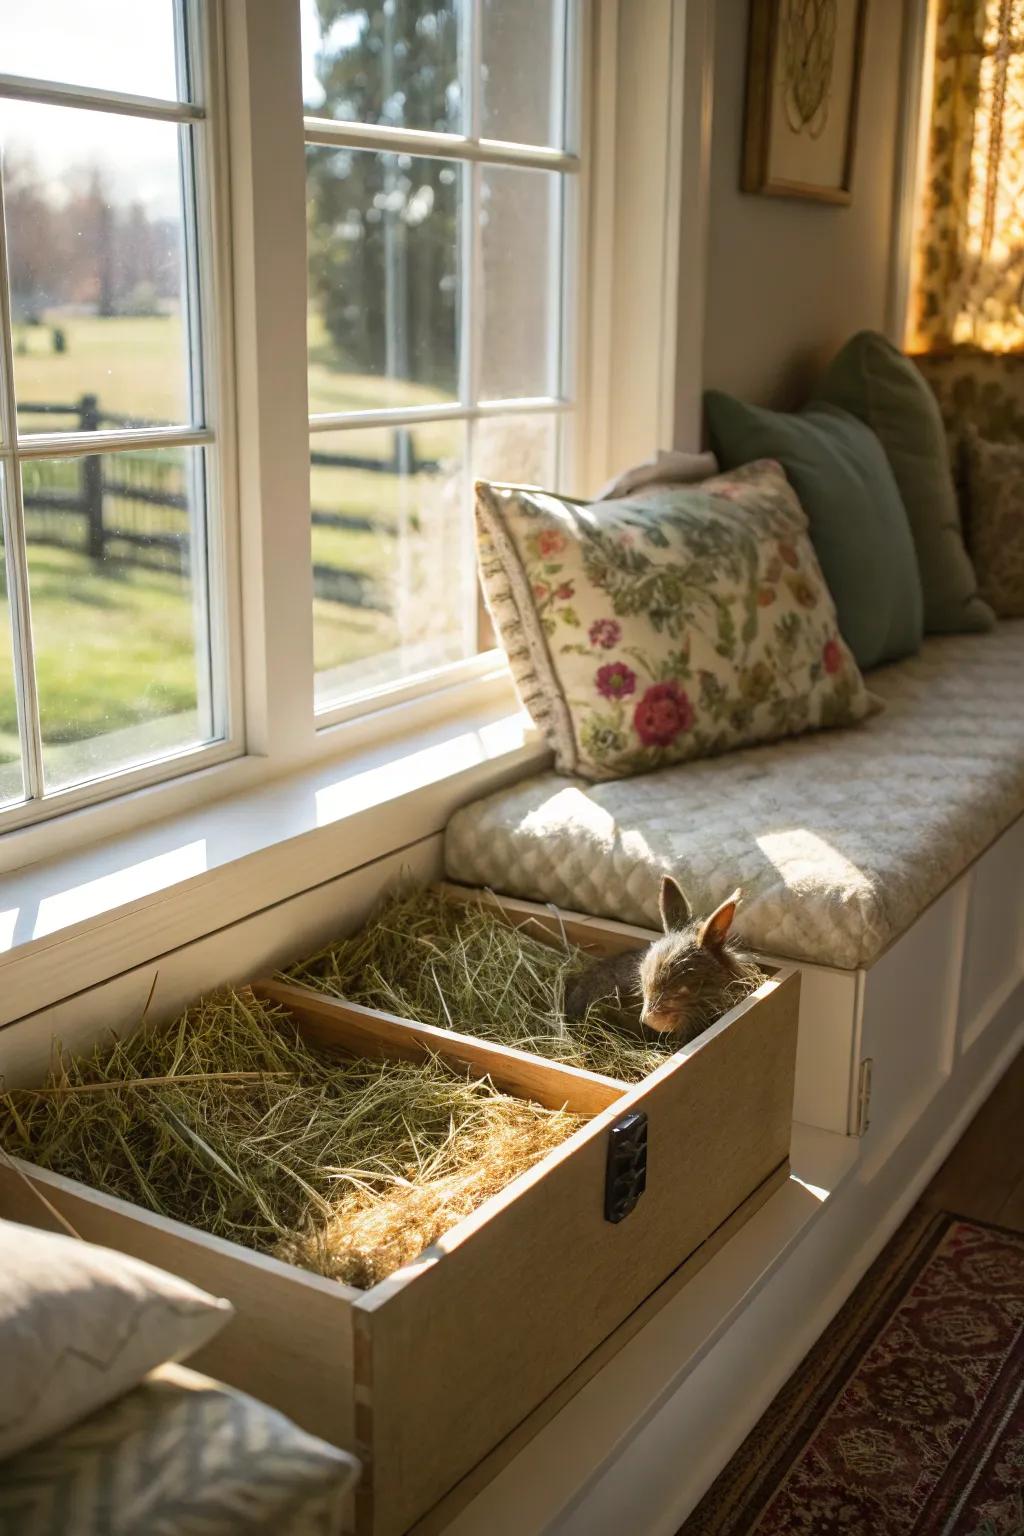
(437, 279)
(118, 656)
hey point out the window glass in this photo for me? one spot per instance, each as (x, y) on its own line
(521, 85)
(517, 449)
(11, 786)
(435, 294)
(383, 280)
(521, 287)
(113, 45)
(95, 231)
(119, 650)
(392, 61)
(119, 610)
(392, 568)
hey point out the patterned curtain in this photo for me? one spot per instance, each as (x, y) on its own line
(969, 261)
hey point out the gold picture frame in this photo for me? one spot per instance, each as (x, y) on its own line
(804, 63)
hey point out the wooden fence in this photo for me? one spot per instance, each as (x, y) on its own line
(133, 507)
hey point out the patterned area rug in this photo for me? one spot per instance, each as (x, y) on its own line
(907, 1417)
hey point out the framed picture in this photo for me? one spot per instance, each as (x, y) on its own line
(803, 79)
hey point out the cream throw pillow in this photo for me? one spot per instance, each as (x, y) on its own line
(675, 623)
(80, 1325)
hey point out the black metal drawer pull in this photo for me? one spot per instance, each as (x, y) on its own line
(626, 1175)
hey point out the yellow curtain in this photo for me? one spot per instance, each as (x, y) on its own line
(969, 257)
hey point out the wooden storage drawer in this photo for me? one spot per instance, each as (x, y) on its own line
(425, 1375)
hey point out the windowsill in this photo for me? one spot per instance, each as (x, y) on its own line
(77, 920)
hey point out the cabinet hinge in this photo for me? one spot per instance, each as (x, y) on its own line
(864, 1095)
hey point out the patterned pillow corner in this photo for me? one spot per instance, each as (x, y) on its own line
(676, 623)
(82, 1325)
(995, 520)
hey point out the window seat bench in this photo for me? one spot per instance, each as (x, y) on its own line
(888, 861)
(839, 840)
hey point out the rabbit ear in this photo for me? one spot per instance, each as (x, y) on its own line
(673, 905)
(715, 929)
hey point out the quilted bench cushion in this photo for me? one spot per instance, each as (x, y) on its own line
(839, 840)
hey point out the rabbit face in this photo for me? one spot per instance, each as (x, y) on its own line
(685, 976)
(682, 982)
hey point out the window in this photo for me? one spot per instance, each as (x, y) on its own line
(159, 560)
(112, 666)
(441, 190)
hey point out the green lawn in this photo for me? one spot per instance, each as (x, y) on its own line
(135, 366)
(113, 646)
(333, 389)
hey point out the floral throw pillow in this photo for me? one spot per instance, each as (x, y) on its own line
(675, 623)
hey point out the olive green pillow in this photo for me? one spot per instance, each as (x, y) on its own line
(883, 389)
(995, 521)
(858, 525)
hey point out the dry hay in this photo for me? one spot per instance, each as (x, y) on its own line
(226, 1120)
(458, 965)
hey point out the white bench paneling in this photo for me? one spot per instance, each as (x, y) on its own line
(908, 1025)
(827, 1056)
(994, 944)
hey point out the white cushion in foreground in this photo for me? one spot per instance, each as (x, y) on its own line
(80, 1325)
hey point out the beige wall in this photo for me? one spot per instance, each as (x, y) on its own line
(789, 281)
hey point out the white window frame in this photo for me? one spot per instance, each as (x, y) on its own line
(257, 380)
(209, 318)
(470, 150)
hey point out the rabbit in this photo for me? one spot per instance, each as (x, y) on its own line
(681, 982)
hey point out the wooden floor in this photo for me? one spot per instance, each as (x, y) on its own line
(983, 1176)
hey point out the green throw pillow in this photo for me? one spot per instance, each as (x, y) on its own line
(858, 525)
(883, 389)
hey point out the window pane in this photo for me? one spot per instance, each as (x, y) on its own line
(522, 52)
(519, 214)
(392, 565)
(11, 787)
(394, 63)
(383, 280)
(95, 231)
(113, 45)
(519, 450)
(116, 555)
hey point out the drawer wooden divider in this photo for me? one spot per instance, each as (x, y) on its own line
(329, 1022)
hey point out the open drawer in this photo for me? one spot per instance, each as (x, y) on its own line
(431, 1372)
